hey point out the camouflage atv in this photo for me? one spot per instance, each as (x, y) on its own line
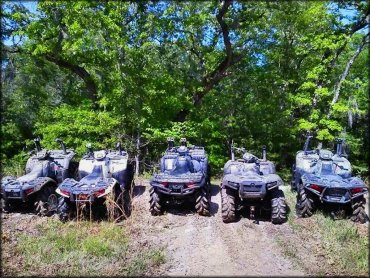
(323, 178)
(251, 182)
(105, 178)
(44, 171)
(184, 175)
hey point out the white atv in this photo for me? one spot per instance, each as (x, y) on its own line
(105, 178)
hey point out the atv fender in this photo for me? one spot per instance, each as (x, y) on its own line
(39, 183)
(227, 185)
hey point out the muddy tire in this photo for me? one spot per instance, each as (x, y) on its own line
(293, 184)
(64, 211)
(155, 202)
(127, 202)
(305, 206)
(278, 208)
(358, 211)
(228, 207)
(123, 201)
(47, 201)
(202, 197)
(6, 207)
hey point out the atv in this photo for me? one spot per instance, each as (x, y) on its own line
(104, 185)
(253, 183)
(184, 175)
(44, 171)
(323, 178)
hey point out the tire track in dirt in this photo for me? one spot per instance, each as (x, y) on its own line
(205, 246)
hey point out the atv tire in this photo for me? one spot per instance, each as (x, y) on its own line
(64, 211)
(202, 197)
(6, 207)
(305, 204)
(155, 202)
(358, 211)
(278, 208)
(124, 205)
(293, 184)
(47, 201)
(228, 205)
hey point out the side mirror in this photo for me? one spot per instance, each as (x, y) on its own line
(37, 144)
(60, 141)
(118, 147)
(183, 141)
(89, 148)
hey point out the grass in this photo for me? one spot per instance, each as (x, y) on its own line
(342, 246)
(83, 249)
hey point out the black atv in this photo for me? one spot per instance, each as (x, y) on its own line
(184, 176)
(253, 183)
(44, 171)
(321, 177)
(105, 184)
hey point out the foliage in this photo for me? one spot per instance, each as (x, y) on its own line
(248, 73)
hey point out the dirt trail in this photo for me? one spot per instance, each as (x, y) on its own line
(197, 245)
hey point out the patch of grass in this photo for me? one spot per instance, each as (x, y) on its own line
(83, 248)
(290, 198)
(344, 248)
(343, 244)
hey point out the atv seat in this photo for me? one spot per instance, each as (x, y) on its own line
(96, 173)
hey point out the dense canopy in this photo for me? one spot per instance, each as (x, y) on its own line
(250, 73)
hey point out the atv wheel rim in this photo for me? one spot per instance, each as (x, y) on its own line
(52, 202)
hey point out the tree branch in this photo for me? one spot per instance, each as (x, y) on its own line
(210, 80)
(80, 71)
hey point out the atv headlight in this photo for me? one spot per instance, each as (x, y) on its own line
(234, 184)
(271, 185)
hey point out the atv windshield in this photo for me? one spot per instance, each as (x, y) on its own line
(250, 168)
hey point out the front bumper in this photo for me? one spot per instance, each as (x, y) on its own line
(336, 195)
(252, 191)
(176, 189)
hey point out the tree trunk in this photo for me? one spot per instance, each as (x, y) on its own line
(137, 156)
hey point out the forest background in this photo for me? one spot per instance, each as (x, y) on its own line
(248, 73)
